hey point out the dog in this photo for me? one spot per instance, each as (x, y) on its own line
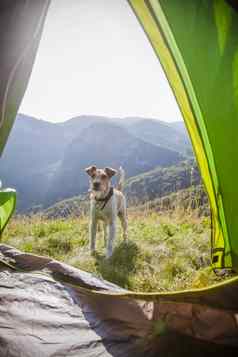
(106, 204)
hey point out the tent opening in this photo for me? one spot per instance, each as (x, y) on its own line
(98, 96)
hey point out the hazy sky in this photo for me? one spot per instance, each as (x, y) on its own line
(95, 59)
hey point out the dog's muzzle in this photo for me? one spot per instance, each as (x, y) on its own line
(96, 186)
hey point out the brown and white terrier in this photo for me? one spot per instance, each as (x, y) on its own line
(106, 204)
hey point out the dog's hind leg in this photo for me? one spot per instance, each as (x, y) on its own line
(105, 233)
(124, 223)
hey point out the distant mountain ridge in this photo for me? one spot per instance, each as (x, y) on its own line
(44, 161)
(159, 133)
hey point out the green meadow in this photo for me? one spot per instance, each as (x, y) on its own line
(165, 251)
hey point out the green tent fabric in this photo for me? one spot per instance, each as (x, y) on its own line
(7, 207)
(21, 25)
(196, 44)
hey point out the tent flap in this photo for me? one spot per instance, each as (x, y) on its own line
(196, 43)
(21, 23)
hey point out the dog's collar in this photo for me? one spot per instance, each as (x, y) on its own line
(105, 199)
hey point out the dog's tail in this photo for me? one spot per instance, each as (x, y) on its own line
(121, 181)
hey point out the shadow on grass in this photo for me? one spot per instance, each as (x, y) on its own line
(120, 266)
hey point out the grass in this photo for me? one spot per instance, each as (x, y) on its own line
(165, 252)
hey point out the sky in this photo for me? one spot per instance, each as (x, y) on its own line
(94, 59)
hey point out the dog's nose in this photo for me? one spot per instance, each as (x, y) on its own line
(96, 185)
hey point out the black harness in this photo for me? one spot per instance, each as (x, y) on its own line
(105, 199)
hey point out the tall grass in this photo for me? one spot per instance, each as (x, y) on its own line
(166, 251)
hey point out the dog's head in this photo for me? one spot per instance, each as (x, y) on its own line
(100, 179)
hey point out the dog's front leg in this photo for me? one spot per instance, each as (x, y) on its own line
(111, 237)
(92, 229)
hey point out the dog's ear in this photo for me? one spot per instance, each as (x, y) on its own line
(91, 170)
(110, 172)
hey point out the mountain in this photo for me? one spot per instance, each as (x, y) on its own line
(33, 152)
(160, 133)
(73, 127)
(44, 161)
(29, 159)
(170, 135)
(105, 144)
